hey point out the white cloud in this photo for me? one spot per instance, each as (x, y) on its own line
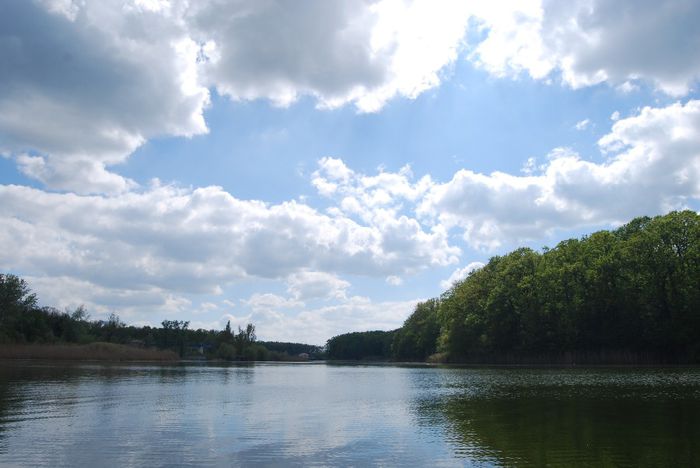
(615, 116)
(208, 306)
(394, 280)
(653, 166)
(339, 52)
(386, 201)
(267, 301)
(459, 274)
(82, 85)
(307, 285)
(201, 240)
(593, 41)
(123, 72)
(582, 124)
(627, 87)
(370, 198)
(129, 303)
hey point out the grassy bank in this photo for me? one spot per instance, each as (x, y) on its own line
(88, 352)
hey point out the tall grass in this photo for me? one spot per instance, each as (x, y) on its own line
(88, 352)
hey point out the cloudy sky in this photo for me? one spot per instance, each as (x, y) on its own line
(318, 167)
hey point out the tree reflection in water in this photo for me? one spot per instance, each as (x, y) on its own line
(559, 427)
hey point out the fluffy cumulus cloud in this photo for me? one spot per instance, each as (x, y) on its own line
(652, 166)
(386, 200)
(66, 292)
(199, 240)
(367, 197)
(308, 285)
(83, 84)
(268, 301)
(593, 41)
(357, 52)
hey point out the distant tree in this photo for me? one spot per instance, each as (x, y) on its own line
(174, 335)
(361, 345)
(15, 296)
(226, 336)
(16, 301)
(80, 314)
(244, 339)
(417, 338)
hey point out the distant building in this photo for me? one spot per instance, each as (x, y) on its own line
(304, 356)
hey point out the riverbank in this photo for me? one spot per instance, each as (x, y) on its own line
(87, 352)
(569, 359)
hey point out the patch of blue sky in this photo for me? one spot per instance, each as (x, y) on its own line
(255, 150)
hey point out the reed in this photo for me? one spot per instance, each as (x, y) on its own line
(87, 352)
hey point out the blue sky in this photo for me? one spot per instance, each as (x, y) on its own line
(320, 168)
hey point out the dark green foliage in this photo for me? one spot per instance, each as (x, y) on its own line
(293, 349)
(226, 351)
(16, 305)
(635, 289)
(361, 345)
(417, 338)
(254, 352)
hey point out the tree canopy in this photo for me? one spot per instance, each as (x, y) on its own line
(630, 293)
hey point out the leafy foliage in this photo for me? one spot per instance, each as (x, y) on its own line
(360, 345)
(635, 289)
(632, 293)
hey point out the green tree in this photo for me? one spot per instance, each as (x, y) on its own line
(417, 338)
(16, 303)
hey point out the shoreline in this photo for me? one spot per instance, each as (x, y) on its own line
(118, 353)
(92, 352)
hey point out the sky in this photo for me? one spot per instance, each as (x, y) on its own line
(320, 167)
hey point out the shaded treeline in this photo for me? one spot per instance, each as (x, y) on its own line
(631, 295)
(284, 349)
(23, 322)
(361, 345)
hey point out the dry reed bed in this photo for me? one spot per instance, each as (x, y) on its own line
(88, 352)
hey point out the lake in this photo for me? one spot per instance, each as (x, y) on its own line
(316, 414)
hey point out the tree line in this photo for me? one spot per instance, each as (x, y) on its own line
(23, 321)
(627, 295)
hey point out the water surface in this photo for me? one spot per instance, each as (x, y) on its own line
(329, 415)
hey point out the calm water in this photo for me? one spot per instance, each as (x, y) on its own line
(320, 415)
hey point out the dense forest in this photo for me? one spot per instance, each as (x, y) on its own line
(22, 322)
(631, 295)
